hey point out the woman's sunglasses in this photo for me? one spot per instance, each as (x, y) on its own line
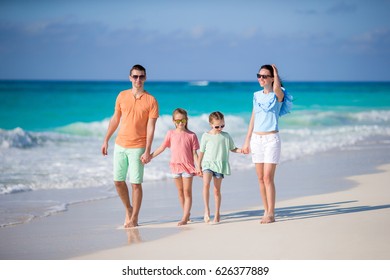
(263, 76)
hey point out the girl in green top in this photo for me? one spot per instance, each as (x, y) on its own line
(214, 161)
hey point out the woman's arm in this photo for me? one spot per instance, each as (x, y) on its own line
(245, 147)
(277, 84)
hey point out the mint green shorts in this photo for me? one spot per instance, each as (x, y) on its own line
(128, 159)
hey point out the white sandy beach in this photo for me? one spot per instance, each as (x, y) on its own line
(352, 224)
(340, 211)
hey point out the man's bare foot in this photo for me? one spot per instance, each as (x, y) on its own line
(129, 213)
(131, 224)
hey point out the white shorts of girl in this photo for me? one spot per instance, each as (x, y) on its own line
(265, 148)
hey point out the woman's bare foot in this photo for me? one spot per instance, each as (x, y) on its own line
(264, 218)
(268, 219)
(206, 218)
(217, 219)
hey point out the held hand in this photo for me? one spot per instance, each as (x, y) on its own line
(245, 149)
(145, 158)
(198, 171)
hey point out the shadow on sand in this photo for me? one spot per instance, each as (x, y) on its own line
(304, 211)
(290, 213)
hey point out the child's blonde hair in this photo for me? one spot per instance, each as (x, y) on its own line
(215, 116)
(183, 112)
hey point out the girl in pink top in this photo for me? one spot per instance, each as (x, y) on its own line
(184, 145)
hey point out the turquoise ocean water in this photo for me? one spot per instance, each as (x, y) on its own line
(51, 132)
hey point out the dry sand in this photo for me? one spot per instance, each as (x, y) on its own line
(353, 224)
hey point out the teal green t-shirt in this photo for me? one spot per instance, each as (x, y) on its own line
(216, 148)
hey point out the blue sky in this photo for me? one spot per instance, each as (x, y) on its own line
(195, 40)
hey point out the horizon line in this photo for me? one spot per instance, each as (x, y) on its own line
(193, 81)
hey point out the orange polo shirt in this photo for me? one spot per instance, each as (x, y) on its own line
(135, 113)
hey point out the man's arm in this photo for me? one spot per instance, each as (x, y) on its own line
(112, 126)
(151, 126)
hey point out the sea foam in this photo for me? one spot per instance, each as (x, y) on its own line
(70, 157)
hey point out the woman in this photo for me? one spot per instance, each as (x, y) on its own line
(263, 134)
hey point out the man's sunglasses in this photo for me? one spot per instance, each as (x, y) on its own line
(141, 77)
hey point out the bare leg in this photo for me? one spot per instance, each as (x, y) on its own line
(269, 176)
(217, 199)
(266, 174)
(260, 177)
(137, 200)
(206, 195)
(123, 192)
(179, 186)
(186, 193)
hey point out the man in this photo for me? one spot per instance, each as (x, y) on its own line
(137, 112)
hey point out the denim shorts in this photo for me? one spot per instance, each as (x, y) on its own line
(183, 174)
(215, 174)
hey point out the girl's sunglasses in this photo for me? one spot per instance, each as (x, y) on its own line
(219, 126)
(183, 121)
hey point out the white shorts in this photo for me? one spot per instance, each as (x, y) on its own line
(183, 175)
(265, 148)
